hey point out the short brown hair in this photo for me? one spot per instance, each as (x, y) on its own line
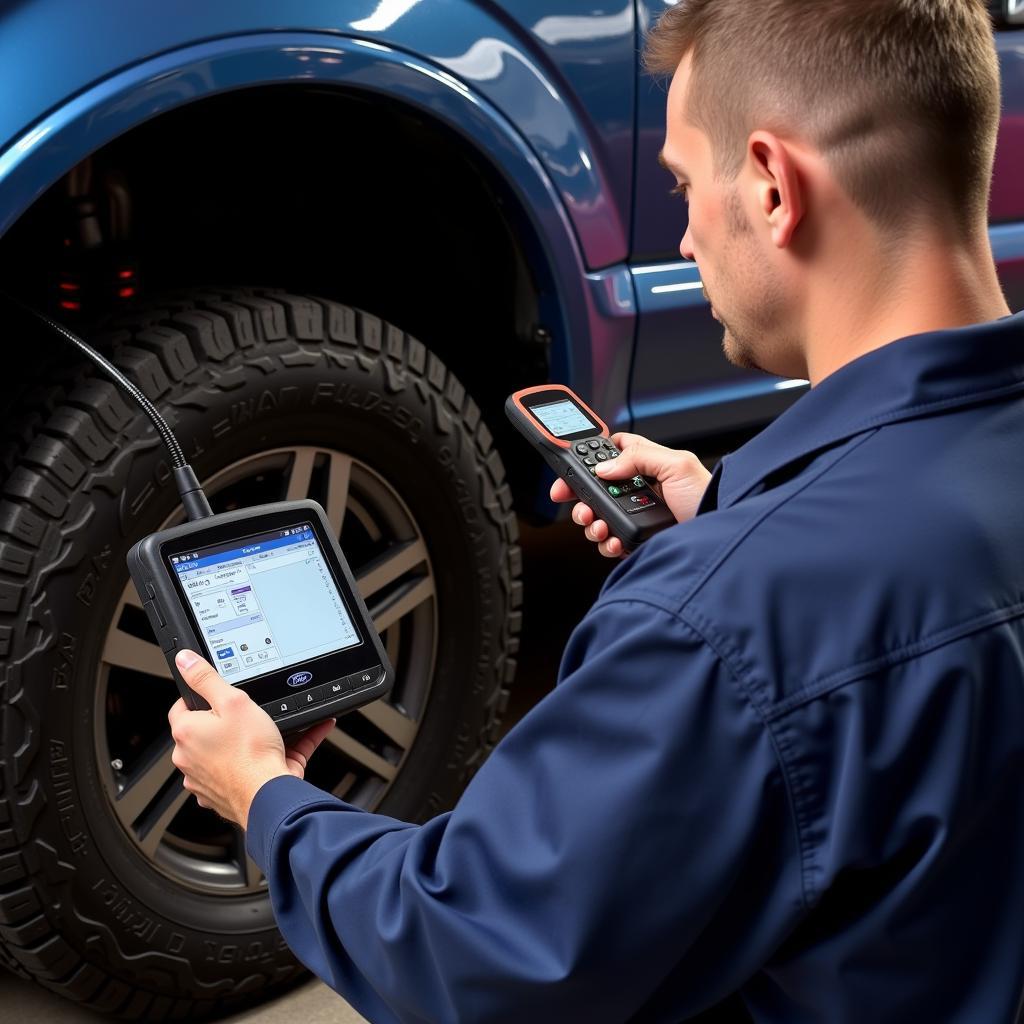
(900, 96)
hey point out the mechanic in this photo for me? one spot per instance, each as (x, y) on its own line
(783, 771)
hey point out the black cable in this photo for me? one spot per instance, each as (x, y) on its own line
(177, 453)
(193, 499)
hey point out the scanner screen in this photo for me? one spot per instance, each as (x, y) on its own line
(563, 418)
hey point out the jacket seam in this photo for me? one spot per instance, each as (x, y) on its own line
(954, 401)
(738, 675)
(950, 634)
(797, 786)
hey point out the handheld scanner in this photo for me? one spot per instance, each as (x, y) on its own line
(266, 596)
(573, 440)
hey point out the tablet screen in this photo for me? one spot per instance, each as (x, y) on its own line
(265, 603)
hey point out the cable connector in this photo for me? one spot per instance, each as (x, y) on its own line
(193, 500)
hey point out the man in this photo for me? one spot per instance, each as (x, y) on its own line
(783, 771)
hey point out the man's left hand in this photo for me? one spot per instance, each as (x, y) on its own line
(228, 752)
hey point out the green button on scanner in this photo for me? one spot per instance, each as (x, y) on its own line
(614, 491)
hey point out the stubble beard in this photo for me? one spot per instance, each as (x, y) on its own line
(747, 334)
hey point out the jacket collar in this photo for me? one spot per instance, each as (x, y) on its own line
(906, 379)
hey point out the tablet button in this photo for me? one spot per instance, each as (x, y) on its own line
(281, 706)
(367, 677)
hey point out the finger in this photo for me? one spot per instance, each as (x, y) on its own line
(611, 548)
(178, 708)
(597, 531)
(561, 491)
(202, 677)
(582, 515)
(307, 742)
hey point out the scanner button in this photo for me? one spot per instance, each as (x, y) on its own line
(601, 456)
(151, 590)
(594, 443)
(313, 695)
(581, 448)
(335, 689)
(590, 461)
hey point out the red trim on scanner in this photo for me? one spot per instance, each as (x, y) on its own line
(525, 410)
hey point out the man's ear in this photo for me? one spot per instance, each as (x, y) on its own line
(780, 191)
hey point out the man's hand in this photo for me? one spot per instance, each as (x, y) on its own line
(228, 752)
(680, 474)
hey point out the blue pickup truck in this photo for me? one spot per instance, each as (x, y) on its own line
(327, 239)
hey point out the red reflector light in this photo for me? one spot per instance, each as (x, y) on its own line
(69, 286)
(126, 293)
(125, 274)
(67, 304)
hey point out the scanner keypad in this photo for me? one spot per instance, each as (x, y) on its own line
(633, 495)
(595, 450)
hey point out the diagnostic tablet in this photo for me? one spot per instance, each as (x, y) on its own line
(266, 596)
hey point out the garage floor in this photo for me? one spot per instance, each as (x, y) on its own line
(556, 554)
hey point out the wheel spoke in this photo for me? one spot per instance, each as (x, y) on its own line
(143, 788)
(127, 651)
(396, 561)
(301, 474)
(339, 472)
(150, 839)
(361, 754)
(342, 788)
(249, 870)
(401, 603)
(253, 873)
(396, 726)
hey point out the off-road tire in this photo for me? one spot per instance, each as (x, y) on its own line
(80, 910)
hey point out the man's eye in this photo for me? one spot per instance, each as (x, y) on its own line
(682, 191)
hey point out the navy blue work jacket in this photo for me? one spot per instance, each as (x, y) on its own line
(784, 761)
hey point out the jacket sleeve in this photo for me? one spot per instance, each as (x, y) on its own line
(628, 844)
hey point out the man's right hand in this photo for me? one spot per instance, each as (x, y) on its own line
(681, 477)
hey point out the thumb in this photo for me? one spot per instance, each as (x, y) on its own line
(201, 676)
(640, 456)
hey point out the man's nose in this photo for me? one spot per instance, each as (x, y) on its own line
(686, 246)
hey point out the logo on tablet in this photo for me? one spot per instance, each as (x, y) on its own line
(300, 678)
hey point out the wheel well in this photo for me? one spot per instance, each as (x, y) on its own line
(353, 197)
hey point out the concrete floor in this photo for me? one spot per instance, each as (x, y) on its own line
(313, 1003)
(562, 573)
